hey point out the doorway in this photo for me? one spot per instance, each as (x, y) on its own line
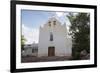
(51, 51)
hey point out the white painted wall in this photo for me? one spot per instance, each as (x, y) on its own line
(60, 41)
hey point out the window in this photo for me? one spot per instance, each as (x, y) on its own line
(32, 50)
(54, 22)
(49, 23)
(51, 37)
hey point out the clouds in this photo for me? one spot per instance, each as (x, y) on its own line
(36, 35)
(59, 14)
(30, 34)
(62, 16)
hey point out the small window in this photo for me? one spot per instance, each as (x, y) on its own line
(32, 50)
(51, 37)
(54, 22)
(49, 23)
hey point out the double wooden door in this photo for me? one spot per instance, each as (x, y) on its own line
(51, 51)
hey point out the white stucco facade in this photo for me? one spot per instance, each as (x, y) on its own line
(61, 43)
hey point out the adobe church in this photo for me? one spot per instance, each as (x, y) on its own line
(54, 40)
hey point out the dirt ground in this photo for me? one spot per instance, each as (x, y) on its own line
(43, 59)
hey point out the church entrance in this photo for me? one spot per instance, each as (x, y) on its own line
(51, 51)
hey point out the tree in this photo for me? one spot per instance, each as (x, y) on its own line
(23, 40)
(80, 32)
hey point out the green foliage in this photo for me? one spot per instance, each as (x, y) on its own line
(23, 40)
(80, 32)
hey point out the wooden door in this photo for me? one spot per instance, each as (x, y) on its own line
(51, 51)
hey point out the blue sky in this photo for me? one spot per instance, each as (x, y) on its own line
(31, 20)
